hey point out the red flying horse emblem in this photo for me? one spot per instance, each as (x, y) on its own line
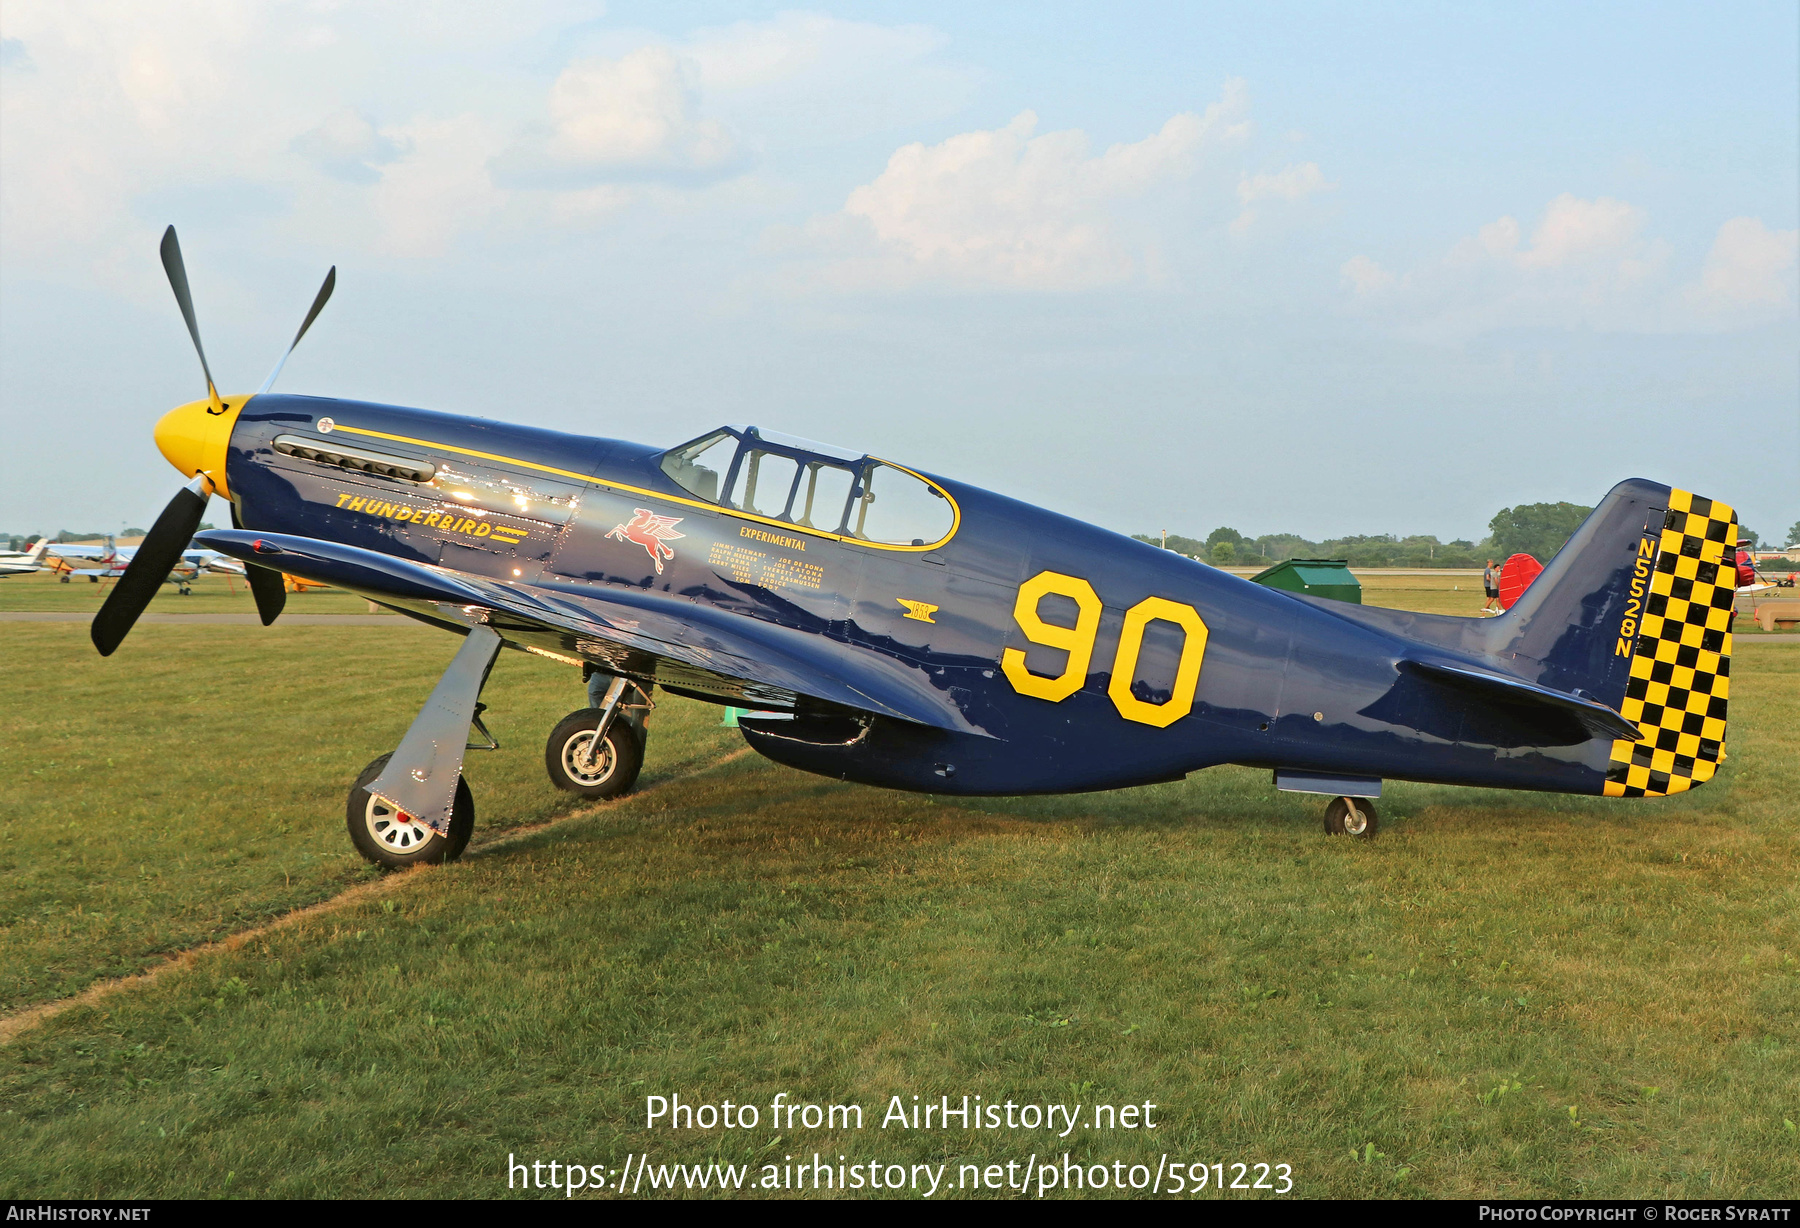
(650, 531)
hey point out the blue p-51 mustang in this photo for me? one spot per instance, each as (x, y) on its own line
(902, 629)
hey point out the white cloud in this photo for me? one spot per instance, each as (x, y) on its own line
(277, 120)
(632, 108)
(672, 112)
(1587, 264)
(1749, 269)
(1288, 184)
(118, 98)
(117, 117)
(755, 54)
(1574, 231)
(1008, 207)
(1366, 277)
(440, 188)
(347, 146)
(638, 112)
(1291, 183)
(799, 80)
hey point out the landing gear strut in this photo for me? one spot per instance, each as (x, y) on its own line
(569, 755)
(1351, 816)
(598, 752)
(413, 805)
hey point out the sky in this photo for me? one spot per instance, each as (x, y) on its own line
(1313, 268)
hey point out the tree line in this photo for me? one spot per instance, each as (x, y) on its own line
(1537, 529)
(15, 541)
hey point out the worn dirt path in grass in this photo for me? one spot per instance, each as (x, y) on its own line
(12, 1026)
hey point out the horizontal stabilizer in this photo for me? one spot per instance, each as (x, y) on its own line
(1598, 719)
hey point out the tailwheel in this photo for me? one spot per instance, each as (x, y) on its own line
(569, 758)
(394, 839)
(1351, 816)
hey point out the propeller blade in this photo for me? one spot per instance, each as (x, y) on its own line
(265, 583)
(156, 557)
(268, 589)
(178, 282)
(318, 306)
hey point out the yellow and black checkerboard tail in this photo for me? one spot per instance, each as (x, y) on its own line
(1680, 675)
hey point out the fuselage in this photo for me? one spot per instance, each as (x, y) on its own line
(1212, 669)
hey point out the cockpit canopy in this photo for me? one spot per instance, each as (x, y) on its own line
(811, 485)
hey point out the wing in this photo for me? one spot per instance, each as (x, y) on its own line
(681, 645)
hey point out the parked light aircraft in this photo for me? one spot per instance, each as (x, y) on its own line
(22, 562)
(113, 561)
(94, 552)
(108, 561)
(908, 630)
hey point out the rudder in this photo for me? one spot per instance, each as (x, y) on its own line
(1679, 677)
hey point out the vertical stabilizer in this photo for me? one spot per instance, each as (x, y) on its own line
(1632, 617)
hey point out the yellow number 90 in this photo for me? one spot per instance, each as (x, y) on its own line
(1078, 642)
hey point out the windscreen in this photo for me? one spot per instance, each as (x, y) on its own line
(698, 467)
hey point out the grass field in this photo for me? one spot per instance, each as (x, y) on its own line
(1454, 594)
(193, 785)
(1457, 594)
(1506, 994)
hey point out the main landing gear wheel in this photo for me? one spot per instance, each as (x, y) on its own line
(566, 755)
(394, 839)
(1351, 816)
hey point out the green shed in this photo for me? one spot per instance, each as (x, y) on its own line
(1315, 577)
